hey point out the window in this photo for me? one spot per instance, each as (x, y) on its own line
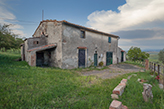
(109, 39)
(82, 34)
(36, 42)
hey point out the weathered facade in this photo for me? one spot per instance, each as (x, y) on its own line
(66, 45)
(121, 55)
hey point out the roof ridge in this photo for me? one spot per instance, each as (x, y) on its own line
(79, 26)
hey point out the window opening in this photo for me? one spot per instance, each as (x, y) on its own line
(82, 34)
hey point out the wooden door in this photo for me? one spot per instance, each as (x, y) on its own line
(95, 59)
(81, 57)
(109, 58)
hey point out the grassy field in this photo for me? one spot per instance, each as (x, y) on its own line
(22, 86)
(154, 57)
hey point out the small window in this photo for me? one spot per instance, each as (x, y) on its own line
(36, 42)
(109, 39)
(82, 34)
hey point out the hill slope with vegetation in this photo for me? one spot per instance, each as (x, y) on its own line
(22, 86)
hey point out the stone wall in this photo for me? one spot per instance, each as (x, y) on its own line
(36, 42)
(53, 32)
(93, 42)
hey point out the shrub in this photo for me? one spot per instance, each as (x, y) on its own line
(161, 56)
(101, 64)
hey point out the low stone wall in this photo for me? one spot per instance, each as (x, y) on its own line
(117, 105)
(118, 91)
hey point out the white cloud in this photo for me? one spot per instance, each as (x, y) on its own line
(154, 33)
(6, 17)
(133, 13)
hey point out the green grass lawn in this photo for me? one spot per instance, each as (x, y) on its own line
(22, 86)
(153, 56)
(138, 63)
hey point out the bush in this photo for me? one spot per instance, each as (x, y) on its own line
(135, 54)
(101, 64)
(161, 56)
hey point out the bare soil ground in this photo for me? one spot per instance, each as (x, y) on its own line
(114, 70)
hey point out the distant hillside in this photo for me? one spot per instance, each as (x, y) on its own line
(154, 57)
(152, 50)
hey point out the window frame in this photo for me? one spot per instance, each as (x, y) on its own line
(109, 39)
(82, 35)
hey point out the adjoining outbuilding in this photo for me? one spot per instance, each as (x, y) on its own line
(66, 45)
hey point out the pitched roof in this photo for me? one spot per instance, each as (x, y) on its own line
(44, 47)
(78, 26)
(121, 49)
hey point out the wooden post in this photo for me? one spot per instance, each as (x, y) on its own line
(154, 68)
(146, 64)
(163, 77)
(150, 65)
(158, 71)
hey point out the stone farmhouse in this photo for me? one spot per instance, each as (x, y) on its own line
(66, 45)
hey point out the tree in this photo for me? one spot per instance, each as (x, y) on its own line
(8, 39)
(135, 54)
(161, 56)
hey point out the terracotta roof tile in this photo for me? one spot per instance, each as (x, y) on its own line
(122, 51)
(82, 47)
(78, 26)
(42, 47)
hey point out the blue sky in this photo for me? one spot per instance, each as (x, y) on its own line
(137, 22)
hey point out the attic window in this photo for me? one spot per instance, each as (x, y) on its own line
(82, 34)
(36, 42)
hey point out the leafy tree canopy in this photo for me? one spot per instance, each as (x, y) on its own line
(8, 39)
(161, 56)
(135, 54)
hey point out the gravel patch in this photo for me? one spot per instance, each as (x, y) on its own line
(114, 70)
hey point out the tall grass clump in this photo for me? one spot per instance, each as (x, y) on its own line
(138, 63)
(11, 50)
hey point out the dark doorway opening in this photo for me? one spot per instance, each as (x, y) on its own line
(45, 58)
(39, 59)
(122, 56)
(81, 57)
(109, 58)
(95, 59)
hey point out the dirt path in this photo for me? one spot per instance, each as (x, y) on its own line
(114, 70)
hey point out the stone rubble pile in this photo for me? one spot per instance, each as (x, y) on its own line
(118, 91)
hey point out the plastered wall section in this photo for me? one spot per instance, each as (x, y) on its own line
(93, 41)
(41, 41)
(124, 56)
(54, 32)
(26, 48)
(119, 54)
(22, 52)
